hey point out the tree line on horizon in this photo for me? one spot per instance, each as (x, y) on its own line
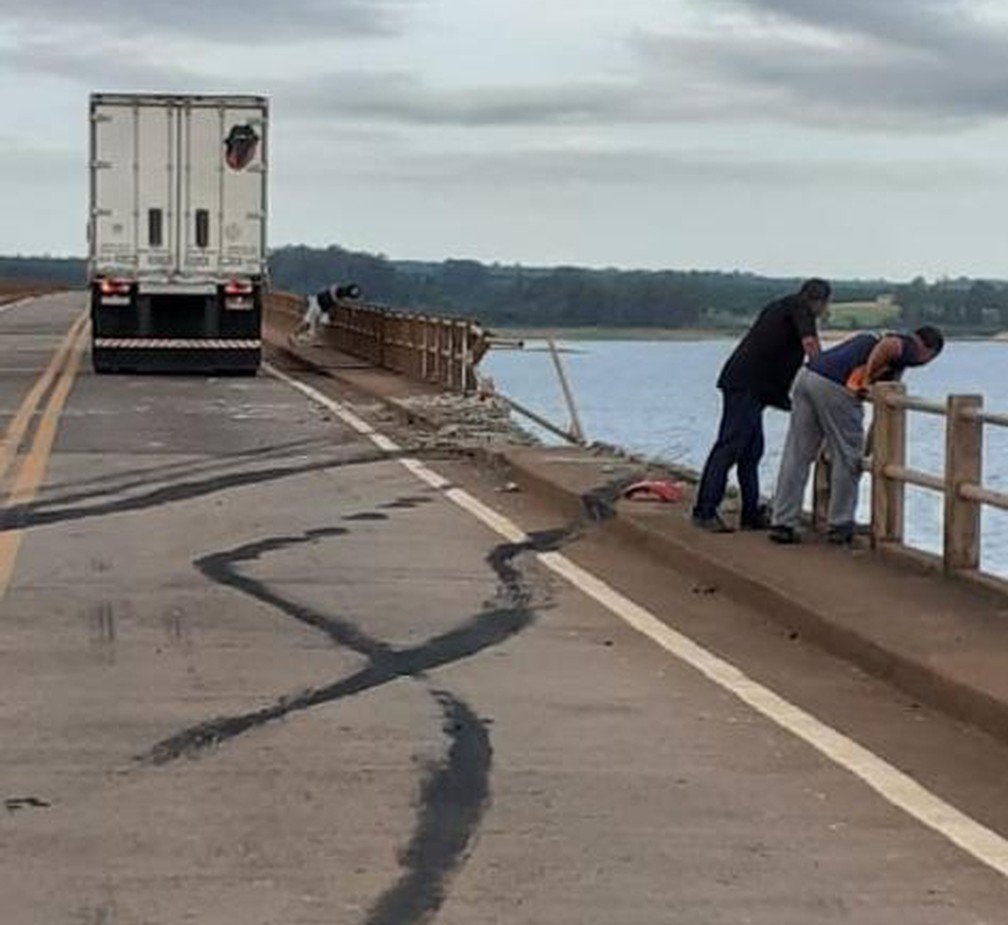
(512, 295)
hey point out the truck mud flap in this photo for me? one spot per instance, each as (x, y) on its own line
(175, 355)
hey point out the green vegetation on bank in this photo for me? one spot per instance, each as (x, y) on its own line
(521, 297)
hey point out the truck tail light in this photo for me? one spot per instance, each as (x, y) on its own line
(237, 287)
(111, 286)
(238, 294)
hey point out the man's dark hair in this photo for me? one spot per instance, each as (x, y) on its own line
(815, 290)
(931, 338)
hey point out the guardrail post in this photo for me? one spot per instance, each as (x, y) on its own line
(452, 355)
(446, 357)
(465, 361)
(963, 466)
(888, 449)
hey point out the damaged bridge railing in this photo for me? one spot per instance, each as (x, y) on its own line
(444, 351)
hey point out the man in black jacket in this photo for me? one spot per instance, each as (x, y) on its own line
(757, 374)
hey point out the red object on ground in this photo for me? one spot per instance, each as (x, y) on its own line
(655, 490)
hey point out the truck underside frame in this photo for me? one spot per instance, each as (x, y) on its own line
(170, 333)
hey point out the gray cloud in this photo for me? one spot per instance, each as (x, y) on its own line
(402, 97)
(221, 21)
(914, 23)
(378, 98)
(651, 168)
(855, 64)
(897, 63)
(99, 67)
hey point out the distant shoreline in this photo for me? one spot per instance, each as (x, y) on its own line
(685, 334)
(526, 333)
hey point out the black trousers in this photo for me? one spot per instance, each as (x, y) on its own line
(740, 444)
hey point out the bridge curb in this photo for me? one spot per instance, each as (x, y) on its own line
(929, 684)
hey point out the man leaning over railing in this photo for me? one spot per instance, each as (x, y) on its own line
(318, 310)
(828, 407)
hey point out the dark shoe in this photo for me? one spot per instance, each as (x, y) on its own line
(841, 534)
(711, 524)
(760, 522)
(786, 536)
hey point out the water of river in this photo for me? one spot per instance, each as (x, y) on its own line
(658, 398)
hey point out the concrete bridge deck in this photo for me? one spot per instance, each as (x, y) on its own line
(264, 658)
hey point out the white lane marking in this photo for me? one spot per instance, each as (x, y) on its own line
(347, 417)
(496, 522)
(899, 789)
(429, 476)
(383, 443)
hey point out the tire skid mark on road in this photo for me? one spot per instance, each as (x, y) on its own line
(455, 791)
(491, 627)
(39, 514)
(445, 824)
(65, 493)
(111, 500)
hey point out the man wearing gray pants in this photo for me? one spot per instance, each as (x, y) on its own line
(827, 407)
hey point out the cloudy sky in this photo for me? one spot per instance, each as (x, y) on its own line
(843, 137)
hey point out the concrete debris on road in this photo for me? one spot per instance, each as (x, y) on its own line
(465, 421)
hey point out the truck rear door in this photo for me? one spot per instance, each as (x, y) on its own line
(178, 188)
(222, 189)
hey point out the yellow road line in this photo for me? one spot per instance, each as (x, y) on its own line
(33, 467)
(22, 419)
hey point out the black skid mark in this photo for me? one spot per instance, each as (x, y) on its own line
(13, 804)
(455, 792)
(406, 503)
(501, 560)
(599, 503)
(38, 514)
(453, 799)
(372, 516)
(485, 630)
(488, 629)
(220, 568)
(116, 483)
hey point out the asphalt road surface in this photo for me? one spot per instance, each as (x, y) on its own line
(255, 670)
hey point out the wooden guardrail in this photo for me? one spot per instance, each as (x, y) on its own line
(444, 351)
(961, 482)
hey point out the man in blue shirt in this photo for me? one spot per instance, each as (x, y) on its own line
(828, 396)
(757, 374)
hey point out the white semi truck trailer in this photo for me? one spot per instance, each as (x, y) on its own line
(177, 232)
